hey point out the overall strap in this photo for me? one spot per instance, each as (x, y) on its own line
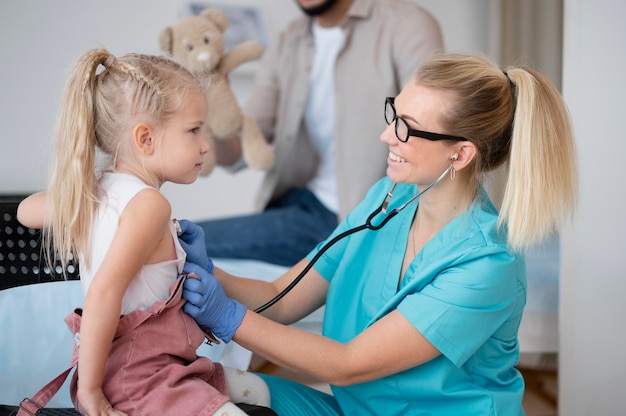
(32, 406)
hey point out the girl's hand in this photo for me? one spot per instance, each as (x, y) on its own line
(94, 403)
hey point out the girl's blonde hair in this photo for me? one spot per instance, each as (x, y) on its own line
(104, 98)
(515, 116)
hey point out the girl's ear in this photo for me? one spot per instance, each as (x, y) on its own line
(143, 139)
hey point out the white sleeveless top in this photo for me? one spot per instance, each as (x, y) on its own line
(153, 281)
(319, 113)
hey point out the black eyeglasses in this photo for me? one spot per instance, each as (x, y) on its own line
(403, 131)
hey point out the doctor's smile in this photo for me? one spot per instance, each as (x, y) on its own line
(394, 157)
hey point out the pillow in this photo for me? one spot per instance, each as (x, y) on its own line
(36, 345)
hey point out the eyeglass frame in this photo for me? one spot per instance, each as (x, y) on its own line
(389, 101)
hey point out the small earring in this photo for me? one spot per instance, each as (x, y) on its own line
(453, 158)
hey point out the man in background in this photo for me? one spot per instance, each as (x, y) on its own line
(319, 97)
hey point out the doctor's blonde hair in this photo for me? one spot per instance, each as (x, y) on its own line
(515, 116)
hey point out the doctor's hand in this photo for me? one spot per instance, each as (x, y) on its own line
(191, 237)
(208, 304)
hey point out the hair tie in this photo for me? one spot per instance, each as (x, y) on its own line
(510, 82)
(109, 61)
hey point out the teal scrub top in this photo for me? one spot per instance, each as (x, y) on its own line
(464, 291)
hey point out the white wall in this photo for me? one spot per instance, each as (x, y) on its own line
(592, 344)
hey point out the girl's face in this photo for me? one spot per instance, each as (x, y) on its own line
(419, 160)
(183, 145)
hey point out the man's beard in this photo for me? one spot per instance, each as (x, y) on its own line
(321, 9)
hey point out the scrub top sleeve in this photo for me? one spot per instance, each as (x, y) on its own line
(466, 304)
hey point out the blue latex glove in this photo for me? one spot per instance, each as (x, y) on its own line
(191, 238)
(208, 304)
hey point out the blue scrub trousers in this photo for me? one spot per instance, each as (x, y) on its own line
(295, 399)
(284, 233)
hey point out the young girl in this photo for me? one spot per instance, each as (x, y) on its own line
(127, 126)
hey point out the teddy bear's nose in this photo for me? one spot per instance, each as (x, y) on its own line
(202, 57)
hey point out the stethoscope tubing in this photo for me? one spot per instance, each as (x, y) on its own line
(367, 225)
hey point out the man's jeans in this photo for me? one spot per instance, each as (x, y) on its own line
(284, 233)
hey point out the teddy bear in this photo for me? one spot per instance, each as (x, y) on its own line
(197, 42)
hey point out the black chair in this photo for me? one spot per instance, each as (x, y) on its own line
(20, 251)
(21, 264)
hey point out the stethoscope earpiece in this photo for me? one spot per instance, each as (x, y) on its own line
(454, 157)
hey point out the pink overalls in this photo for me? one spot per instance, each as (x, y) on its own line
(153, 368)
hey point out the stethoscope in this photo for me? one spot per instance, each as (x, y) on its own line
(368, 225)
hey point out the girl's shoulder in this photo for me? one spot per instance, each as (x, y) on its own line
(122, 189)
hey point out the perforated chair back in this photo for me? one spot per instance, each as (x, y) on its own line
(21, 260)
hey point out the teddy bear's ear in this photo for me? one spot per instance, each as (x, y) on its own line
(166, 41)
(216, 16)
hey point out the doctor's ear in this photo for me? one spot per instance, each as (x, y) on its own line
(463, 155)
